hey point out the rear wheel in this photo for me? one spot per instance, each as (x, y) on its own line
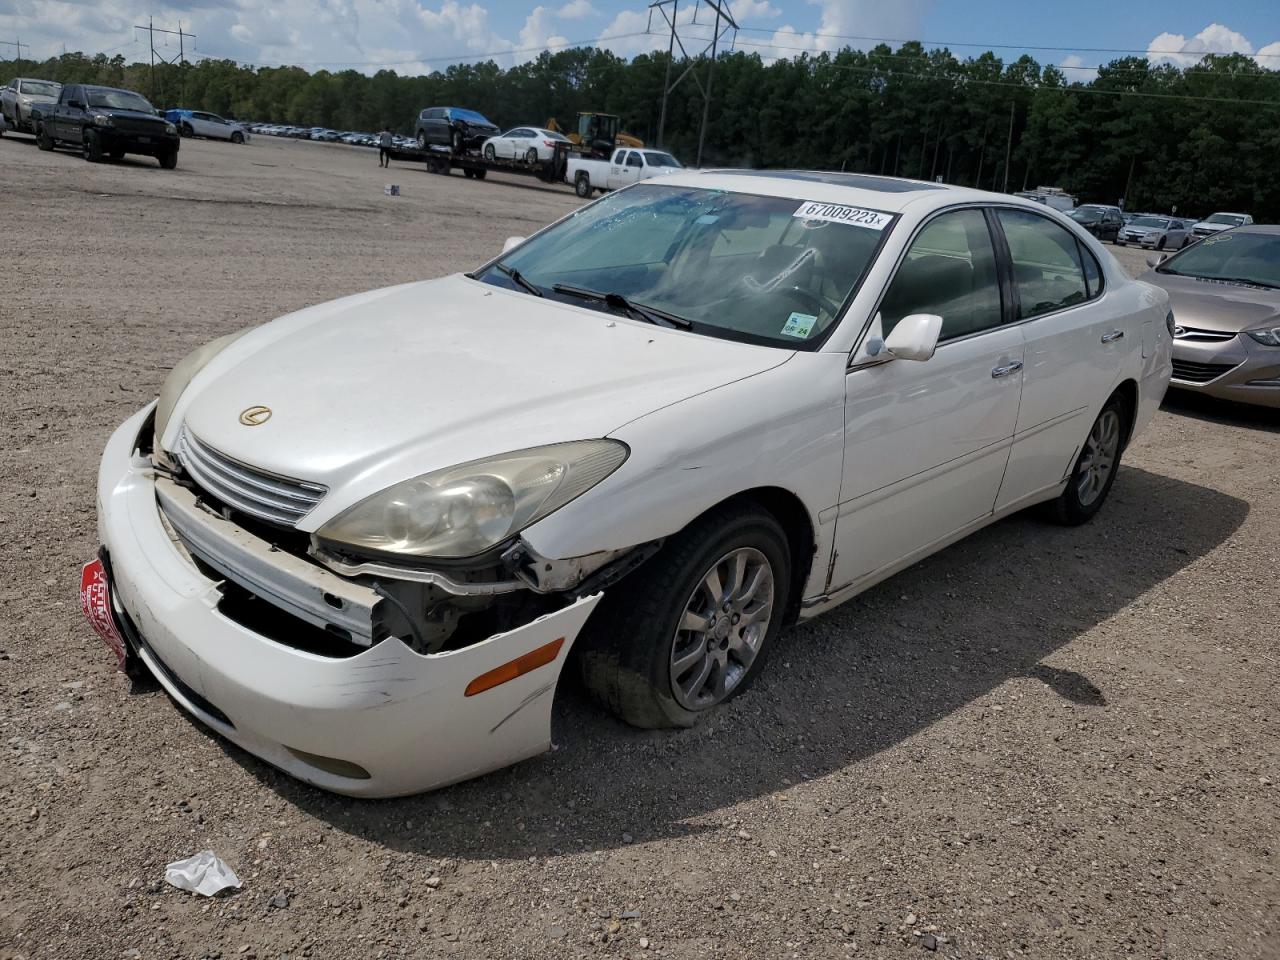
(185, 130)
(480, 174)
(489, 152)
(582, 184)
(456, 140)
(422, 140)
(91, 146)
(1096, 467)
(691, 628)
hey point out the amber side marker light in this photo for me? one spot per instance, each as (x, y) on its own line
(515, 668)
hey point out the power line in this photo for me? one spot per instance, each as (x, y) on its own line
(1020, 46)
(16, 42)
(568, 44)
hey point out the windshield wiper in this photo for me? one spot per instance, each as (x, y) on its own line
(520, 280)
(1249, 280)
(618, 302)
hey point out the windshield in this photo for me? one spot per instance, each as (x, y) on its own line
(1248, 257)
(657, 159)
(1149, 222)
(762, 269)
(1228, 218)
(1085, 214)
(457, 113)
(118, 100)
(40, 88)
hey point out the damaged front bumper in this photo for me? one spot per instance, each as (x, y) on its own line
(379, 720)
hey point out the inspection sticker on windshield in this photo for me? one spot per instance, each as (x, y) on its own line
(798, 325)
(839, 213)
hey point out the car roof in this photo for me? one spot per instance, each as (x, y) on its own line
(890, 194)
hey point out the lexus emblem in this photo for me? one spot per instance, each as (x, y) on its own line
(255, 416)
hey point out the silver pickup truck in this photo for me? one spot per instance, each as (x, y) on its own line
(20, 95)
(626, 166)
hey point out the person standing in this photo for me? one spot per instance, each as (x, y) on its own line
(384, 148)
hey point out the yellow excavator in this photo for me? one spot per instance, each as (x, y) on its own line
(597, 134)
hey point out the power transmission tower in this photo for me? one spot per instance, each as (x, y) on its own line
(722, 15)
(181, 58)
(16, 42)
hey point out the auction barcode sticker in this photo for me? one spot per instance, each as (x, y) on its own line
(839, 213)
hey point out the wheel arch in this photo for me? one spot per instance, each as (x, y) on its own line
(1128, 390)
(790, 512)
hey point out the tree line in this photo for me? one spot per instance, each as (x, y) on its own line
(1198, 139)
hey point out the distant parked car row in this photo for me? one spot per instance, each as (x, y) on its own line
(353, 138)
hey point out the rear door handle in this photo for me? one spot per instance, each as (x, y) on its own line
(1113, 336)
(1004, 371)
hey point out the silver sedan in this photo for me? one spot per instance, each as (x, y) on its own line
(1159, 233)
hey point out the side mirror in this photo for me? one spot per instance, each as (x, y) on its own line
(511, 243)
(915, 337)
(1156, 261)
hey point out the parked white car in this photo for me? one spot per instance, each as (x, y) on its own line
(1218, 222)
(199, 123)
(530, 144)
(362, 540)
(628, 165)
(20, 95)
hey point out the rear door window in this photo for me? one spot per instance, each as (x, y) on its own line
(1047, 270)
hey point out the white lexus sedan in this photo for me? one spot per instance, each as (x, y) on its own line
(362, 541)
(530, 144)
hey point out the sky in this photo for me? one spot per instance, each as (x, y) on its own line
(415, 36)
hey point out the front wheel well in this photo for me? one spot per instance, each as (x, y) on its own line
(789, 510)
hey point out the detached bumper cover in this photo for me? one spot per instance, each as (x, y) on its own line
(401, 716)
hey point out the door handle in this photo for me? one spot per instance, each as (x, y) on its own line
(1005, 370)
(1113, 336)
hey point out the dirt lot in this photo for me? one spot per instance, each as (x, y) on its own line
(1044, 742)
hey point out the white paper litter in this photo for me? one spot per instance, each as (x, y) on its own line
(204, 874)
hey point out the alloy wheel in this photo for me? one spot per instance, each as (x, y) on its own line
(1098, 459)
(722, 629)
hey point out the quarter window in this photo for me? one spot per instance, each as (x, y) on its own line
(949, 270)
(1047, 269)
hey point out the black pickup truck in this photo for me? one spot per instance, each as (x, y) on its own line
(105, 122)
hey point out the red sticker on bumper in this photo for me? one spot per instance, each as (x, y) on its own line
(95, 600)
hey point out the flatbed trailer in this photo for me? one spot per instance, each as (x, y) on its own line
(473, 165)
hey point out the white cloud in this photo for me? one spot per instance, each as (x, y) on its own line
(1176, 49)
(538, 31)
(1076, 71)
(847, 23)
(577, 10)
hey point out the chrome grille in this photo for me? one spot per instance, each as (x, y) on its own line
(260, 494)
(1191, 372)
(1194, 335)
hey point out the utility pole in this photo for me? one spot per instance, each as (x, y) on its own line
(152, 30)
(16, 42)
(1008, 150)
(712, 45)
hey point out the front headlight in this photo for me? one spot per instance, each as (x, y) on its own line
(1270, 338)
(183, 373)
(170, 128)
(462, 511)
(101, 120)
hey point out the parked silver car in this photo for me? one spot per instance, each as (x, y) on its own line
(1159, 233)
(20, 95)
(1225, 296)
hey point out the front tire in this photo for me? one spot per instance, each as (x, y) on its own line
(237, 137)
(1096, 468)
(531, 156)
(1160, 244)
(489, 153)
(43, 140)
(456, 140)
(169, 159)
(92, 146)
(692, 627)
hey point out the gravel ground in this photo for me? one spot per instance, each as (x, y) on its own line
(1042, 742)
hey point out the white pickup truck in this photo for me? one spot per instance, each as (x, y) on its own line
(626, 166)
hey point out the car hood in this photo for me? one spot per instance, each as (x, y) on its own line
(373, 389)
(1215, 305)
(1206, 225)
